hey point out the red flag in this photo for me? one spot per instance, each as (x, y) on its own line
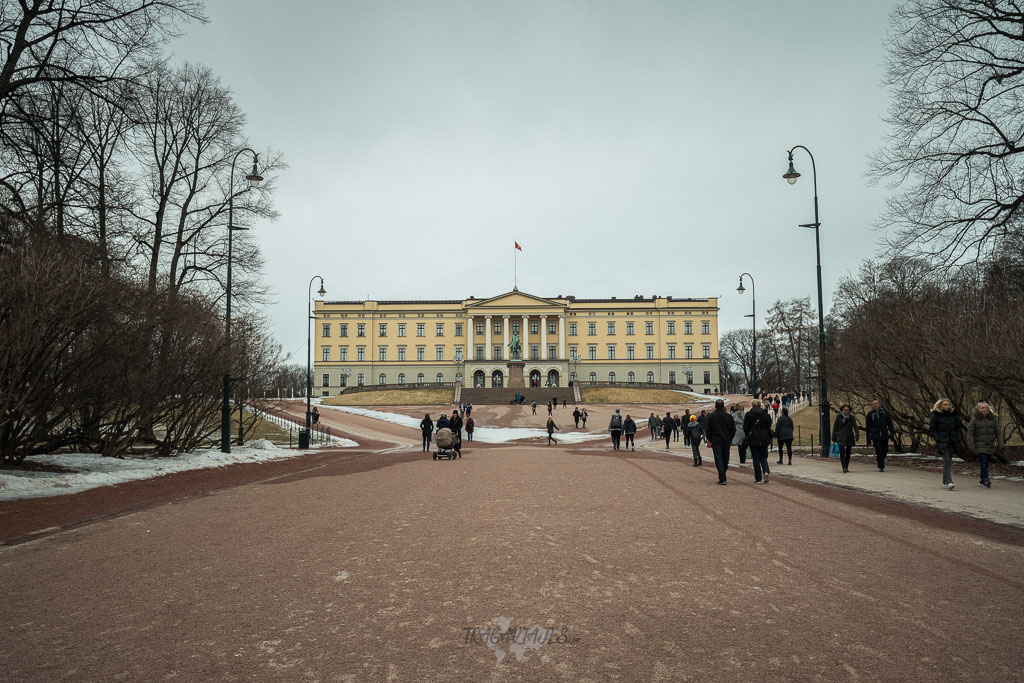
(518, 247)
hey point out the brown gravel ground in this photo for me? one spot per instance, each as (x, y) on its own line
(379, 566)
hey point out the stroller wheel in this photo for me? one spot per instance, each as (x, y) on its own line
(435, 456)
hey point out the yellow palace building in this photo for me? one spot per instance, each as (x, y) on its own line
(661, 340)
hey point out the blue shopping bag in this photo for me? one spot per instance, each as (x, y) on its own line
(834, 453)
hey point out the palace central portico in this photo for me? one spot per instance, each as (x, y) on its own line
(638, 339)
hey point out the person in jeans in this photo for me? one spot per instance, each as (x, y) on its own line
(844, 433)
(719, 429)
(551, 427)
(629, 430)
(879, 429)
(784, 433)
(758, 426)
(944, 427)
(427, 429)
(985, 438)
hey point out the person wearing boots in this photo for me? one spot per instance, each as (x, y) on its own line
(629, 430)
(844, 433)
(694, 433)
(879, 429)
(985, 438)
(719, 429)
(944, 427)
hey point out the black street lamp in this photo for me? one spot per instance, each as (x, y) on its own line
(254, 179)
(309, 372)
(753, 322)
(459, 364)
(791, 176)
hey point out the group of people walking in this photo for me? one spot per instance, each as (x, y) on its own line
(454, 423)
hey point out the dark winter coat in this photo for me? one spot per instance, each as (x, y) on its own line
(983, 433)
(784, 428)
(470, 425)
(455, 425)
(442, 422)
(628, 426)
(878, 425)
(719, 427)
(427, 425)
(758, 426)
(552, 426)
(945, 429)
(845, 430)
(694, 431)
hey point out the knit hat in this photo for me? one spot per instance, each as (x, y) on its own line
(616, 411)
(693, 418)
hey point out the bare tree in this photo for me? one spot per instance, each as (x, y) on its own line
(956, 71)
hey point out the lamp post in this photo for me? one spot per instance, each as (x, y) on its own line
(791, 176)
(753, 322)
(688, 376)
(309, 372)
(459, 363)
(254, 179)
(345, 374)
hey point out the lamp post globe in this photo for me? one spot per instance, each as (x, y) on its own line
(310, 315)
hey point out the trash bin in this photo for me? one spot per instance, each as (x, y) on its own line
(303, 439)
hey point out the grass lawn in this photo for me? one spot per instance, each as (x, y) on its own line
(612, 395)
(394, 397)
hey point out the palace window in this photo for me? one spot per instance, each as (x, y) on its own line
(671, 326)
(361, 330)
(382, 330)
(534, 352)
(325, 380)
(421, 353)
(479, 352)
(361, 353)
(325, 354)
(611, 328)
(401, 329)
(497, 352)
(401, 353)
(671, 376)
(552, 328)
(573, 352)
(439, 330)
(592, 352)
(438, 353)
(515, 328)
(552, 351)
(648, 327)
(342, 381)
(593, 377)
(325, 330)
(688, 351)
(382, 353)
(611, 376)
(650, 376)
(629, 328)
(707, 377)
(420, 378)
(421, 330)
(360, 379)
(572, 329)
(650, 352)
(497, 327)
(343, 330)
(458, 329)
(534, 327)
(401, 378)
(631, 377)
(705, 350)
(687, 327)
(689, 376)
(705, 327)
(382, 379)
(344, 353)
(440, 378)
(591, 329)
(611, 352)
(479, 328)
(630, 352)
(671, 351)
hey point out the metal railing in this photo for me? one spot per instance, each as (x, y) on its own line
(318, 433)
(389, 387)
(633, 385)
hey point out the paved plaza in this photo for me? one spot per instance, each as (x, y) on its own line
(517, 562)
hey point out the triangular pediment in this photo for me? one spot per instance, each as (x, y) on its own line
(514, 299)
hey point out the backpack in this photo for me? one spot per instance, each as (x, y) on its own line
(616, 422)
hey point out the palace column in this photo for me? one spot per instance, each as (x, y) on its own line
(504, 332)
(487, 336)
(544, 337)
(468, 355)
(525, 337)
(561, 336)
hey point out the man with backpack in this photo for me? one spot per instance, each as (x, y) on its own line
(615, 427)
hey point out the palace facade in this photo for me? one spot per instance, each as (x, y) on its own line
(659, 339)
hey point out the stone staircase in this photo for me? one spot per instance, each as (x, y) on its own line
(505, 396)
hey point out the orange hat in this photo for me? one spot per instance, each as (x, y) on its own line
(693, 418)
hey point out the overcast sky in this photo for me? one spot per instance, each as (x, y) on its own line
(630, 147)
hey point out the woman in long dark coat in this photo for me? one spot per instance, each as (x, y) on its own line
(944, 427)
(844, 433)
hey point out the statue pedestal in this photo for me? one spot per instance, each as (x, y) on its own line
(515, 374)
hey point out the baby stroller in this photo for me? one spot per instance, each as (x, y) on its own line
(449, 445)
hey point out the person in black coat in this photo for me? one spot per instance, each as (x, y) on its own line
(719, 429)
(784, 434)
(694, 434)
(455, 424)
(945, 428)
(879, 429)
(844, 434)
(757, 424)
(666, 428)
(427, 428)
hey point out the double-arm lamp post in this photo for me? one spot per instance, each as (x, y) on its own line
(309, 371)
(254, 179)
(753, 322)
(791, 176)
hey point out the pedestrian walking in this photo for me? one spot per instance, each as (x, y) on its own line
(315, 415)
(944, 427)
(719, 429)
(985, 438)
(470, 426)
(549, 408)
(427, 429)
(629, 429)
(583, 418)
(784, 435)
(757, 424)
(533, 404)
(576, 417)
(844, 433)
(677, 426)
(469, 409)
(686, 423)
(667, 429)
(551, 430)
(694, 434)
(879, 429)
(740, 439)
(455, 424)
(564, 404)
(652, 424)
(615, 428)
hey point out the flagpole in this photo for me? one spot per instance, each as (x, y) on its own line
(515, 268)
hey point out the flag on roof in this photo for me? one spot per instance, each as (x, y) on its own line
(518, 247)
